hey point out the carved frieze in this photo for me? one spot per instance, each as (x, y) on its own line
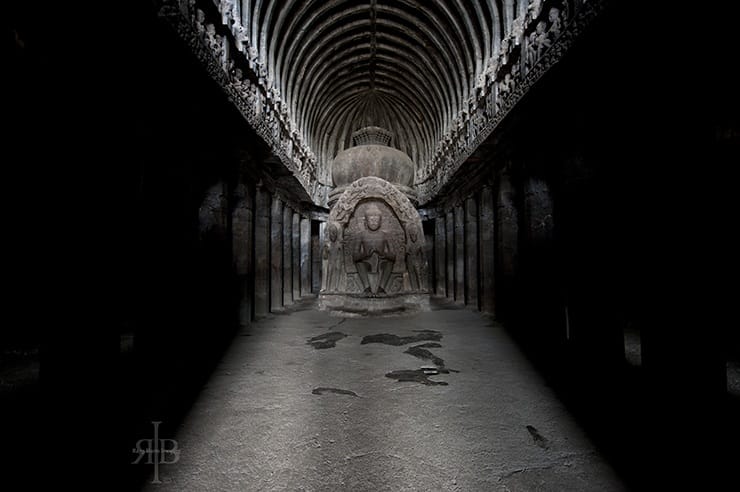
(237, 70)
(536, 40)
(535, 44)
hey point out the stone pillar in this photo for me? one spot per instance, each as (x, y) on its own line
(296, 260)
(305, 263)
(429, 254)
(287, 256)
(315, 256)
(213, 214)
(538, 268)
(471, 253)
(276, 255)
(296, 248)
(508, 227)
(538, 211)
(322, 238)
(262, 236)
(507, 231)
(440, 240)
(487, 256)
(450, 256)
(213, 277)
(459, 254)
(589, 237)
(241, 248)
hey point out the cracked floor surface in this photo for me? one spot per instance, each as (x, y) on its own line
(259, 425)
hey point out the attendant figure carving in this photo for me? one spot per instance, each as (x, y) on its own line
(531, 53)
(542, 40)
(415, 260)
(333, 256)
(556, 24)
(200, 20)
(534, 9)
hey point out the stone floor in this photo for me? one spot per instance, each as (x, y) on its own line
(284, 414)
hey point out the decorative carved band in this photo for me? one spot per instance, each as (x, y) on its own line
(231, 62)
(372, 187)
(537, 40)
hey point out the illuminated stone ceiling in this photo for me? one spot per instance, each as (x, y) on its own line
(440, 74)
(404, 65)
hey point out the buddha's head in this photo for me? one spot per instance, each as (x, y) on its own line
(373, 217)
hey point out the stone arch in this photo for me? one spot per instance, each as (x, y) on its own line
(378, 188)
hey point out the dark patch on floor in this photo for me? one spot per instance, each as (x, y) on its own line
(429, 345)
(414, 376)
(327, 340)
(424, 354)
(395, 340)
(321, 391)
(538, 438)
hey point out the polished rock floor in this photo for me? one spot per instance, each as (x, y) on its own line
(281, 413)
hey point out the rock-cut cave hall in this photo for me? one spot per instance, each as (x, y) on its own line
(369, 245)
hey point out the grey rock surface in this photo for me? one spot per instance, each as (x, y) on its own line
(279, 415)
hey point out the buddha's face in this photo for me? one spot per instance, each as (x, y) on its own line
(333, 233)
(373, 221)
(412, 235)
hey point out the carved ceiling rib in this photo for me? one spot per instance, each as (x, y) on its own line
(439, 74)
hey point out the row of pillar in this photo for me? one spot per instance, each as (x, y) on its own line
(464, 251)
(494, 252)
(498, 251)
(283, 252)
(271, 248)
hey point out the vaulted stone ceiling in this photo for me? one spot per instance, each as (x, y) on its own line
(440, 74)
(405, 65)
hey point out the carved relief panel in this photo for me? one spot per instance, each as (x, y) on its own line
(380, 237)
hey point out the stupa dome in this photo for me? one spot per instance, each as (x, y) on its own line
(372, 155)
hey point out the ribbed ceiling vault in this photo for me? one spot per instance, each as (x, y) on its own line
(406, 65)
